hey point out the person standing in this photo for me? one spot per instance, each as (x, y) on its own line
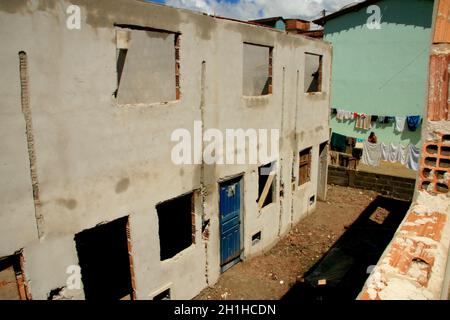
(372, 138)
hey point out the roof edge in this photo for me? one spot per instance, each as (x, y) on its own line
(321, 21)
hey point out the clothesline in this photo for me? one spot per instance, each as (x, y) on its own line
(373, 153)
(364, 121)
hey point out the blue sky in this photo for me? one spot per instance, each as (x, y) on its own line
(254, 9)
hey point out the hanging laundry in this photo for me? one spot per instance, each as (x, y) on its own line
(351, 142)
(400, 123)
(338, 142)
(333, 111)
(413, 157)
(363, 122)
(367, 123)
(373, 118)
(371, 154)
(384, 152)
(348, 115)
(402, 154)
(393, 152)
(413, 122)
(355, 115)
(340, 114)
(397, 153)
(385, 119)
(388, 119)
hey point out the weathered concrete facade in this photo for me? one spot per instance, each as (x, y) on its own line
(74, 157)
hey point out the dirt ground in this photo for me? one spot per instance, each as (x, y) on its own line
(270, 275)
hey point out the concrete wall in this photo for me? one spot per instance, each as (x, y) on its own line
(97, 160)
(256, 69)
(149, 71)
(381, 71)
(312, 66)
(396, 187)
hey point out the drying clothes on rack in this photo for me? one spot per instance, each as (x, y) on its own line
(400, 123)
(413, 122)
(364, 122)
(371, 154)
(412, 161)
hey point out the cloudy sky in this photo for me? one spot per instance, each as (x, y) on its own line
(254, 9)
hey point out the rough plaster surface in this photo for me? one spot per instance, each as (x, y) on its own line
(99, 161)
(256, 69)
(149, 71)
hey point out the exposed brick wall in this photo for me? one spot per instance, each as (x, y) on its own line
(435, 165)
(438, 83)
(442, 23)
(177, 67)
(395, 187)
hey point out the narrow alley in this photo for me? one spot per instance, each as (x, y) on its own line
(280, 272)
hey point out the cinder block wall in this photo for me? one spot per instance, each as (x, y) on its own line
(395, 187)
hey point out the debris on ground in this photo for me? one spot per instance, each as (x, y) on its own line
(259, 278)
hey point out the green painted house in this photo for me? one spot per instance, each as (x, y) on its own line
(380, 63)
(273, 22)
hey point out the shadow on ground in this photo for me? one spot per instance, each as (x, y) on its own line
(340, 274)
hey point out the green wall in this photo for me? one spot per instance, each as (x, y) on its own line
(381, 71)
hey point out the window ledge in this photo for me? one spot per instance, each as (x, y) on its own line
(303, 186)
(267, 207)
(257, 101)
(314, 93)
(179, 255)
(258, 97)
(147, 105)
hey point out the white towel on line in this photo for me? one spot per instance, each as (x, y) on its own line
(413, 157)
(397, 153)
(384, 152)
(371, 154)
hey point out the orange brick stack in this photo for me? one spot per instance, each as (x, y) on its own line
(435, 166)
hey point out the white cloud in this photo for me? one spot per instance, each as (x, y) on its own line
(254, 9)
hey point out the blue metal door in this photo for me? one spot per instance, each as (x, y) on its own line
(230, 222)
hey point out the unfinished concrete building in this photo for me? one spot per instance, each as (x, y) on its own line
(90, 95)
